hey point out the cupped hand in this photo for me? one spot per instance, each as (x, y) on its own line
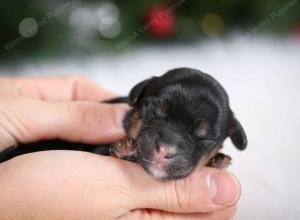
(80, 185)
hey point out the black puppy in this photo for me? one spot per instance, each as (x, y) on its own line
(177, 121)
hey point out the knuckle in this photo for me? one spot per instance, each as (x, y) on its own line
(187, 193)
(184, 191)
(90, 117)
(183, 194)
(83, 114)
(74, 82)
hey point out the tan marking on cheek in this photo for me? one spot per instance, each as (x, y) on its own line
(135, 126)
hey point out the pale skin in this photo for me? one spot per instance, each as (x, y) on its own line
(80, 185)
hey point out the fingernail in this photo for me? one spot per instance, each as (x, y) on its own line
(225, 189)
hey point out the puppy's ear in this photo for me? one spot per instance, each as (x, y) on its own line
(137, 91)
(237, 134)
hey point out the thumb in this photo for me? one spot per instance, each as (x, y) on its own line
(29, 120)
(205, 190)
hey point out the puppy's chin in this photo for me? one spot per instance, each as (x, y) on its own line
(169, 171)
(158, 173)
(167, 174)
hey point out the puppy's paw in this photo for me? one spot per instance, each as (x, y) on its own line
(124, 149)
(221, 161)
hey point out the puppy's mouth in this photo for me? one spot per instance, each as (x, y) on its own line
(162, 163)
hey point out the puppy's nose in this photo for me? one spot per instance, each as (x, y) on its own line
(164, 153)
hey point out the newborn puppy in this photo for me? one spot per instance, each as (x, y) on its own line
(177, 121)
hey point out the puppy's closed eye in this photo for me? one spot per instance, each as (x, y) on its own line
(161, 110)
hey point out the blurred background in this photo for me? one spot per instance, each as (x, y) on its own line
(43, 29)
(251, 47)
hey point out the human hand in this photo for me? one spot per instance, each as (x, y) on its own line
(39, 108)
(80, 185)
(32, 109)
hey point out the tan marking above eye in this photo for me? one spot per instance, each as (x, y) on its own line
(202, 129)
(136, 124)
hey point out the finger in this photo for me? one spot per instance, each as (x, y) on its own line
(205, 190)
(150, 214)
(29, 120)
(54, 88)
(72, 175)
